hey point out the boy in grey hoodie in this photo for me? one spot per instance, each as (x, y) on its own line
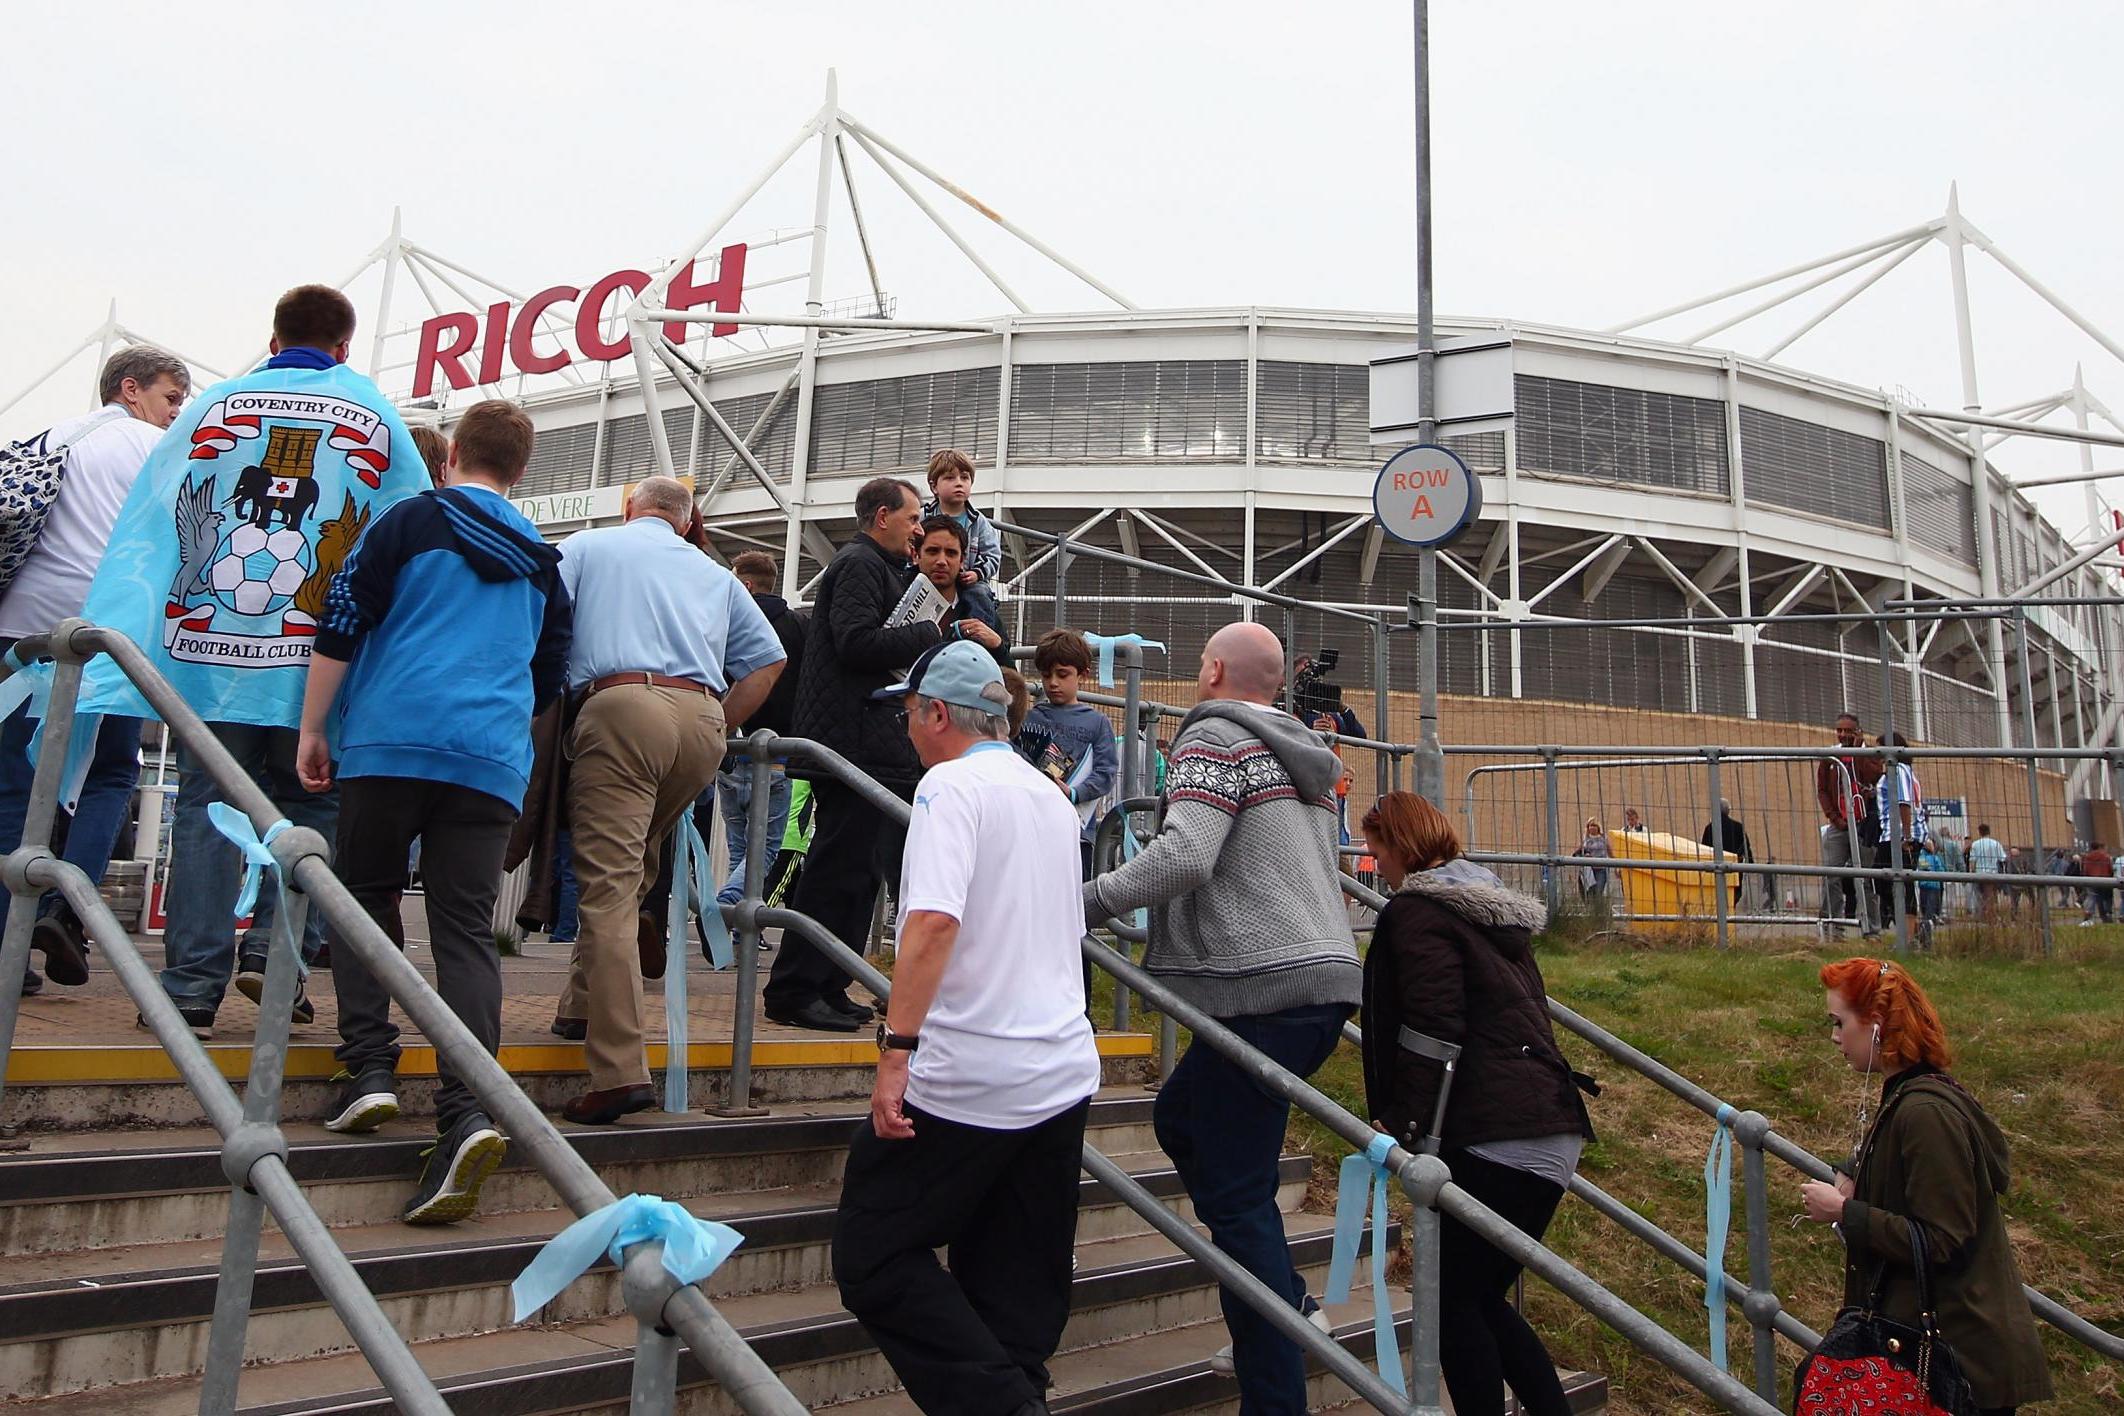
(1248, 925)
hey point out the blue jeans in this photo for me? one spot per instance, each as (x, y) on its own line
(199, 943)
(567, 921)
(1225, 1137)
(91, 834)
(734, 790)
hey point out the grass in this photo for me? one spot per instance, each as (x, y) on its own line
(2036, 1040)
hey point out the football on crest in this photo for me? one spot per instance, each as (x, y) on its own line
(257, 571)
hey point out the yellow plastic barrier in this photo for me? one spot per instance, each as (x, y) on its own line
(1690, 894)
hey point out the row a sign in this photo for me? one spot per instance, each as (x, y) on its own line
(1426, 495)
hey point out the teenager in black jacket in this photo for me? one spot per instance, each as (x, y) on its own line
(1452, 964)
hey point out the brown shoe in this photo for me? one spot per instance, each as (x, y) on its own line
(649, 938)
(602, 1108)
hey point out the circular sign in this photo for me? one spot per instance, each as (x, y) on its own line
(1426, 496)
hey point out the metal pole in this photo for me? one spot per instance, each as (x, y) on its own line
(1718, 844)
(1552, 834)
(1062, 580)
(261, 1116)
(655, 1385)
(1430, 760)
(1382, 704)
(1135, 753)
(2035, 776)
(1761, 1304)
(1423, 1305)
(383, 302)
(761, 768)
(1892, 765)
(36, 840)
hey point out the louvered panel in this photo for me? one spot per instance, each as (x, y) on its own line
(773, 445)
(892, 425)
(560, 461)
(1173, 410)
(1940, 509)
(1622, 435)
(1806, 467)
(1322, 412)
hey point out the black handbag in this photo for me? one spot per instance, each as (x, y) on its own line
(1868, 1365)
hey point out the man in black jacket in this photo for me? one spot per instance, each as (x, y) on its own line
(848, 655)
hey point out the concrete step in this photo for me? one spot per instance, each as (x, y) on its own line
(76, 1321)
(92, 1190)
(134, 1084)
(1125, 1288)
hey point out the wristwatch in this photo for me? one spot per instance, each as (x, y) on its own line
(890, 1040)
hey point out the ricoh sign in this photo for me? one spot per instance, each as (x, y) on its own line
(468, 349)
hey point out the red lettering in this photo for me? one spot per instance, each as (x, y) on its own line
(590, 315)
(490, 348)
(722, 293)
(1422, 508)
(522, 352)
(433, 355)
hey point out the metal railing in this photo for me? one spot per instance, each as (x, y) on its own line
(254, 1149)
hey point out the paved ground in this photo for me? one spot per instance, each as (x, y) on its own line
(100, 1014)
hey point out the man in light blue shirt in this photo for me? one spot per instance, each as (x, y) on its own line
(669, 652)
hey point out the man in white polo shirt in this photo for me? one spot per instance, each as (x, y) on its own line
(986, 1067)
(142, 388)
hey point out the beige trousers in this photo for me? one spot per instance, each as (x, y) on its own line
(641, 757)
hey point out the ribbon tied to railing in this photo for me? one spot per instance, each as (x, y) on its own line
(1106, 644)
(1718, 1215)
(1364, 1179)
(689, 889)
(258, 858)
(31, 683)
(693, 1247)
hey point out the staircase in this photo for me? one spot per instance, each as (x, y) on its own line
(109, 1244)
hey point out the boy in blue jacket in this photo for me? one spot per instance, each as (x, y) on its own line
(447, 630)
(1070, 741)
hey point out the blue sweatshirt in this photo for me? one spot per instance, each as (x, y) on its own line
(1074, 744)
(452, 613)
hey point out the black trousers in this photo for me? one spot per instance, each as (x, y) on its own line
(1483, 1342)
(463, 836)
(853, 848)
(974, 1339)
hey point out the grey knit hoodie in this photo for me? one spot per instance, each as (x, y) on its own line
(1242, 878)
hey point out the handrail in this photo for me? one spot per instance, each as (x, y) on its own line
(654, 1298)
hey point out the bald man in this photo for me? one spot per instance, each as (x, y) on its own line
(669, 652)
(1248, 925)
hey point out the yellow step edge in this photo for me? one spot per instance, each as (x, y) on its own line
(147, 1062)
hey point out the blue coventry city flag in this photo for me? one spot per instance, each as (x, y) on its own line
(219, 562)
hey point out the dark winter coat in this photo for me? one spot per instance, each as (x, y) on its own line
(1452, 957)
(849, 654)
(1936, 1158)
(779, 711)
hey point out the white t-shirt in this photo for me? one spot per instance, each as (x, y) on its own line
(100, 469)
(1904, 783)
(991, 843)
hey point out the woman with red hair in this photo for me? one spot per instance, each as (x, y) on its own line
(1932, 1161)
(1451, 977)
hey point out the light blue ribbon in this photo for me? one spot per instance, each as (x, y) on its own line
(1106, 644)
(693, 1248)
(257, 858)
(1718, 1215)
(31, 683)
(689, 882)
(1365, 1178)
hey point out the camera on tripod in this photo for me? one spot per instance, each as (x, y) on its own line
(1312, 692)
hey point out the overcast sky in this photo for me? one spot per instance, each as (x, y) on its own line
(1593, 162)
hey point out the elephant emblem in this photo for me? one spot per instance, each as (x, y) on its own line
(281, 485)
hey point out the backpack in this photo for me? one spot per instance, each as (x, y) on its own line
(30, 473)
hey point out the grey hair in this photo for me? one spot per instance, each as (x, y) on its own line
(665, 496)
(978, 722)
(143, 364)
(1725, 808)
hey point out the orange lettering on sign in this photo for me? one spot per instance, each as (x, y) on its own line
(1422, 507)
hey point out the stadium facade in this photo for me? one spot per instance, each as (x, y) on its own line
(1639, 479)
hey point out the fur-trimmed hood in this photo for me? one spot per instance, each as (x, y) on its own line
(1477, 896)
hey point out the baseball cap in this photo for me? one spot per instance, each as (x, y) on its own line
(959, 672)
